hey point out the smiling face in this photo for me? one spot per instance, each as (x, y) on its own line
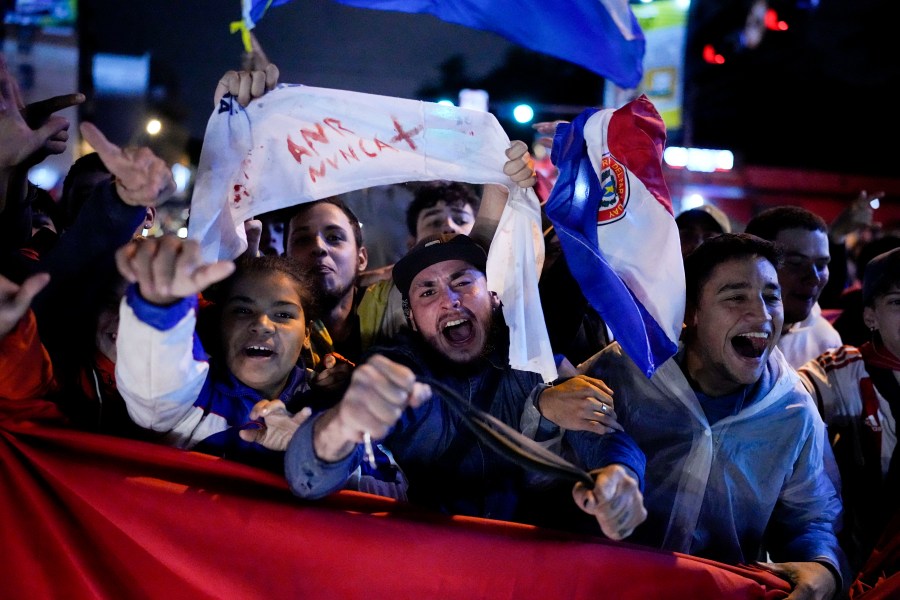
(322, 241)
(456, 217)
(263, 330)
(884, 315)
(452, 309)
(735, 325)
(804, 272)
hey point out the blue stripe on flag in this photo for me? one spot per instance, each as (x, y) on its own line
(259, 7)
(601, 35)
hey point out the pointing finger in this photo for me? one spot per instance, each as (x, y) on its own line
(36, 112)
(109, 153)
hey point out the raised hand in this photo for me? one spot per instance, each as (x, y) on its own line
(28, 134)
(858, 215)
(142, 178)
(247, 85)
(520, 166)
(169, 268)
(40, 113)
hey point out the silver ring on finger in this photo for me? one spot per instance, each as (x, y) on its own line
(603, 408)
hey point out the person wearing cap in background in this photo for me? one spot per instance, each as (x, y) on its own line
(858, 395)
(697, 225)
(459, 339)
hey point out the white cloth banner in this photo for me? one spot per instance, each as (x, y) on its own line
(298, 143)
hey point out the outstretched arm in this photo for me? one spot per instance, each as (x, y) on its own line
(158, 371)
(28, 135)
(520, 168)
(326, 450)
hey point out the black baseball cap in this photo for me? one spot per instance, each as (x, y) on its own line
(432, 250)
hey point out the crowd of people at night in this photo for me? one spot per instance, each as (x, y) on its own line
(768, 437)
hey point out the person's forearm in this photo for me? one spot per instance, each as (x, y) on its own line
(493, 202)
(158, 373)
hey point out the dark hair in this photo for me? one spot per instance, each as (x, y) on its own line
(872, 249)
(70, 203)
(354, 221)
(882, 274)
(772, 221)
(430, 193)
(248, 265)
(699, 264)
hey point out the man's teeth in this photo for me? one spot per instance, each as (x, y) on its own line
(756, 334)
(454, 323)
(260, 351)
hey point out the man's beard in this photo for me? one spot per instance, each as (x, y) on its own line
(326, 299)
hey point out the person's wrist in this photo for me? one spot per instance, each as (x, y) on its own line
(155, 299)
(124, 194)
(330, 442)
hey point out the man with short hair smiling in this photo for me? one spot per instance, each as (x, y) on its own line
(802, 237)
(459, 341)
(735, 447)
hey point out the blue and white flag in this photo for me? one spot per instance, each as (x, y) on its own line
(600, 35)
(611, 210)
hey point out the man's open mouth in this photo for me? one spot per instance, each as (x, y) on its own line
(751, 344)
(458, 331)
(258, 352)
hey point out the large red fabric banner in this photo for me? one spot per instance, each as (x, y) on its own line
(91, 516)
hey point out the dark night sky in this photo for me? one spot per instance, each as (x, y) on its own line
(817, 96)
(315, 42)
(820, 96)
